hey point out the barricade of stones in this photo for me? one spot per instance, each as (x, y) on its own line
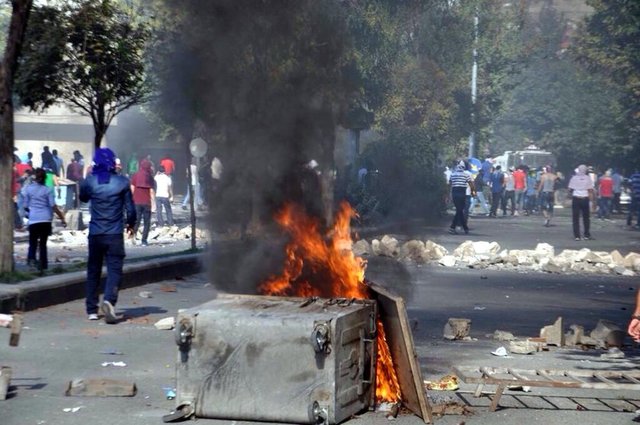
(160, 234)
(489, 255)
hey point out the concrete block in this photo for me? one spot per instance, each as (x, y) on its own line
(523, 347)
(575, 335)
(554, 334)
(74, 220)
(457, 328)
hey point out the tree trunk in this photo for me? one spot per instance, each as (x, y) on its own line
(17, 29)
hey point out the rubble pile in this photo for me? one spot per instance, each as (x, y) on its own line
(158, 234)
(489, 255)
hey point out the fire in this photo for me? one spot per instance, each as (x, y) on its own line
(325, 266)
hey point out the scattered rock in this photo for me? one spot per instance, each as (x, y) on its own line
(503, 336)
(448, 261)
(613, 353)
(523, 347)
(554, 334)
(165, 324)
(457, 328)
(602, 333)
(362, 248)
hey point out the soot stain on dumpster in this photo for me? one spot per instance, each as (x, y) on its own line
(253, 352)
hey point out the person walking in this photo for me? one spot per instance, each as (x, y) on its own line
(164, 196)
(110, 196)
(581, 188)
(459, 181)
(479, 183)
(168, 164)
(497, 189)
(531, 195)
(40, 204)
(142, 184)
(546, 189)
(59, 163)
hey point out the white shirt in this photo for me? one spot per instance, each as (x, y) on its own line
(163, 184)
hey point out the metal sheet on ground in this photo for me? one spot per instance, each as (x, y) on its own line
(393, 314)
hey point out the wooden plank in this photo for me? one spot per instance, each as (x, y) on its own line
(393, 314)
(630, 378)
(601, 378)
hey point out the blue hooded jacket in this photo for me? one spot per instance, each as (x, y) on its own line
(110, 195)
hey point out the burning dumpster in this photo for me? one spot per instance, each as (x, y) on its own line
(277, 359)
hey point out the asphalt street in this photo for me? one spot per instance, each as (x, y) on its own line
(59, 344)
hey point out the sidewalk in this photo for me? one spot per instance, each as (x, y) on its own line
(67, 264)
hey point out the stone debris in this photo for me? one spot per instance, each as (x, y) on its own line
(607, 334)
(614, 353)
(165, 324)
(489, 255)
(503, 336)
(457, 328)
(524, 347)
(554, 334)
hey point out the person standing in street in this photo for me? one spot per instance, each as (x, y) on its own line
(582, 193)
(459, 181)
(480, 187)
(110, 196)
(605, 195)
(142, 185)
(497, 188)
(617, 191)
(168, 164)
(195, 185)
(520, 185)
(509, 193)
(59, 163)
(40, 204)
(546, 192)
(164, 196)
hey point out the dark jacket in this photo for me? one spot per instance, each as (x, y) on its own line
(108, 201)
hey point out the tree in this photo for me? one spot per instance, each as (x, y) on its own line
(93, 61)
(608, 44)
(17, 29)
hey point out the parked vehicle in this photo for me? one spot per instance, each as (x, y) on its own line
(531, 156)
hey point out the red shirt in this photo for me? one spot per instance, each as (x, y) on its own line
(143, 183)
(519, 178)
(169, 165)
(606, 187)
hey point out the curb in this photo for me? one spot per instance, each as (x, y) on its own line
(66, 287)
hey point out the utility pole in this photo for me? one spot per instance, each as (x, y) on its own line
(474, 89)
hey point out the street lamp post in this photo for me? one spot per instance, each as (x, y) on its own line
(474, 89)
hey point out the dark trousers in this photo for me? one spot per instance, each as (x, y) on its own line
(616, 203)
(580, 206)
(110, 247)
(160, 204)
(509, 195)
(459, 201)
(496, 198)
(143, 213)
(38, 235)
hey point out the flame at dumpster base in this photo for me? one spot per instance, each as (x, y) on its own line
(325, 266)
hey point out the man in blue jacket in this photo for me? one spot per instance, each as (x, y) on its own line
(110, 195)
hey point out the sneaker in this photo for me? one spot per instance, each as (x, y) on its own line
(144, 243)
(93, 316)
(587, 238)
(452, 231)
(578, 239)
(109, 313)
(546, 223)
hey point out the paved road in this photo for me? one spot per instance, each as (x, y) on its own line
(59, 344)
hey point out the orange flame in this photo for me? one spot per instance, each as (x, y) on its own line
(325, 266)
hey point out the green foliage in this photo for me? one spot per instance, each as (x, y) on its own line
(609, 45)
(402, 179)
(89, 55)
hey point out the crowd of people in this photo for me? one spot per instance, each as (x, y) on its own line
(523, 190)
